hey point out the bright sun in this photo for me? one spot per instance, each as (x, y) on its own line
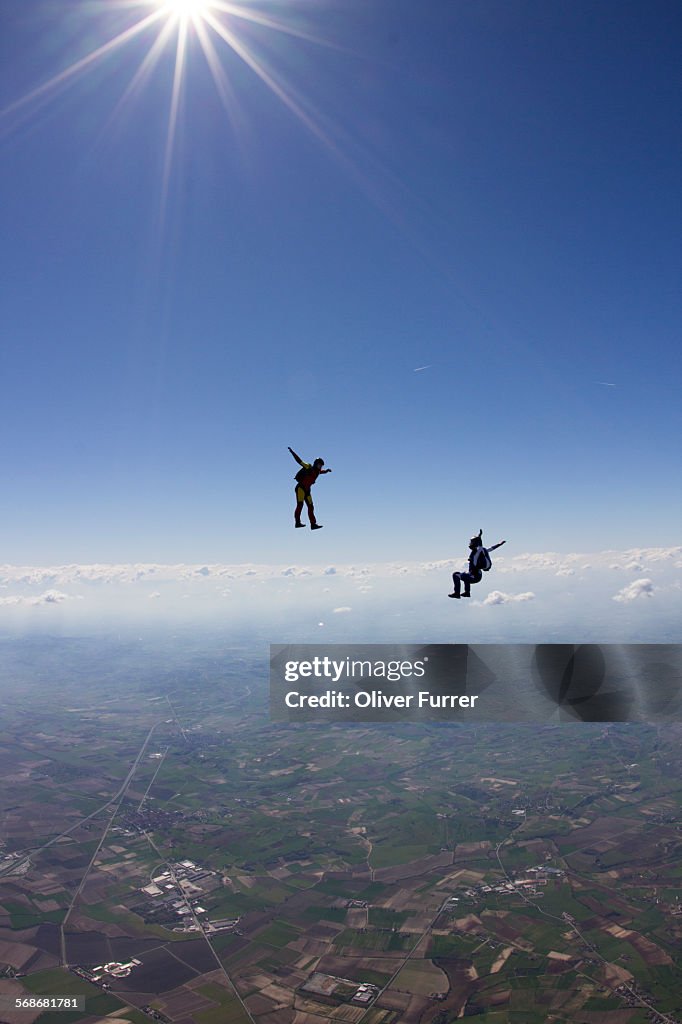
(190, 28)
(185, 8)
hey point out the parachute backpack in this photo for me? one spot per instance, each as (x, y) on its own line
(481, 558)
(483, 561)
(305, 471)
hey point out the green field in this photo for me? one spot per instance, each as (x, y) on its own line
(22, 916)
(278, 934)
(285, 813)
(357, 939)
(381, 918)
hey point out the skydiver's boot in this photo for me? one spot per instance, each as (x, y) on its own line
(316, 526)
(300, 526)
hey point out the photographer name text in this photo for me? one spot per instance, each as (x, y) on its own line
(378, 699)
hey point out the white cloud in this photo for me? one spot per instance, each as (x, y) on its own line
(154, 595)
(497, 597)
(638, 588)
(52, 597)
(340, 611)
(48, 597)
(527, 560)
(566, 572)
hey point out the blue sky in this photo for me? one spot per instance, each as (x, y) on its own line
(496, 197)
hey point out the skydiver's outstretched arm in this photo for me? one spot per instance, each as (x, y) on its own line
(324, 471)
(497, 545)
(297, 457)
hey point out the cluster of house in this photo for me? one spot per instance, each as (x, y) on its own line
(539, 876)
(114, 969)
(177, 892)
(340, 989)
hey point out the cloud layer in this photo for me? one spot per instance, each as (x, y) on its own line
(632, 560)
(632, 595)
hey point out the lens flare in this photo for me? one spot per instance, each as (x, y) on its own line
(192, 29)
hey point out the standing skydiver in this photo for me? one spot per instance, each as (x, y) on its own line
(305, 478)
(479, 562)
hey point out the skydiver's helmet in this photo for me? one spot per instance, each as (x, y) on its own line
(477, 541)
(319, 462)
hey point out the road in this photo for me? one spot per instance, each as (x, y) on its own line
(116, 801)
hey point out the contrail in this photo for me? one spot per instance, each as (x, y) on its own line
(418, 368)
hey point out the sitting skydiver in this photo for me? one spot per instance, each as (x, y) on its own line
(479, 562)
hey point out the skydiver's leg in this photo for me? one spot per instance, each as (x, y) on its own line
(300, 497)
(311, 511)
(456, 577)
(467, 580)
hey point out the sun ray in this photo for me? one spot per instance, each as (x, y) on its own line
(215, 24)
(43, 91)
(239, 11)
(222, 83)
(310, 121)
(145, 69)
(180, 53)
(179, 15)
(267, 78)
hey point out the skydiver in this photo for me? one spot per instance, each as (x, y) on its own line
(479, 562)
(305, 478)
